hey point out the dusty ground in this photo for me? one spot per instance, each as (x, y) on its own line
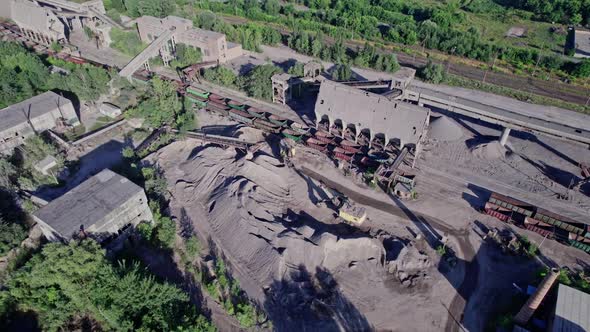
(292, 256)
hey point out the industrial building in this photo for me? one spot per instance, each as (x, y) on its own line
(397, 123)
(48, 21)
(101, 207)
(35, 22)
(213, 45)
(33, 116)
(572, 311)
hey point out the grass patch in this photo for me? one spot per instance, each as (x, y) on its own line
(100, 122)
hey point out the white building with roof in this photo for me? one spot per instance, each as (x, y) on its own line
(101, 207)
(33, 116)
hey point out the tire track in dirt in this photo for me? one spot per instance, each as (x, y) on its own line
(470, 277)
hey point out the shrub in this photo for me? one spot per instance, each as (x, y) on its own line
(432, 72)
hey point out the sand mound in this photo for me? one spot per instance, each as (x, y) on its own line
(445, 130)
(260, 214)
(489, 151)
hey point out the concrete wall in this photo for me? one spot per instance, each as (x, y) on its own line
(134, 211)
(6, 9)
(234, 51)
(213, 45)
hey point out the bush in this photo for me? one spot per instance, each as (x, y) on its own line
(166, 232)
(193, 246)
(221, 75)
(126, 42)
(11, 235)
(582, 69)
(432, 72)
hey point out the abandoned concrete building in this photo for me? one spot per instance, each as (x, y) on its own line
(395, 122)
(102, 207)
(35, 22)
(213, 45)
(33, 116)
(48, 21)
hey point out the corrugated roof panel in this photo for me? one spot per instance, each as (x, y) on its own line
(572, 311)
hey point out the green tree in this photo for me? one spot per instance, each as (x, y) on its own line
(432, 72)
(193, 246)
(161, 105)
(272, 7)
(258, 82)
(166, 232)
(186, 56)
(220, 75)
(341, 72)
(8, 174)
(296, 69)
(64, 281)
(11, 235)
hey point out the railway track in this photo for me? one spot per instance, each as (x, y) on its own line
(552, 89)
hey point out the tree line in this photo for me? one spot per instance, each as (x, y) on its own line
(404, 22)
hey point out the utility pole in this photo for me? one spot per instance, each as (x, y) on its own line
(485, 74)
(449, 60)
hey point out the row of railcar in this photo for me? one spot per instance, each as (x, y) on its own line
(541, 221)
(322, 141)
(245, 114)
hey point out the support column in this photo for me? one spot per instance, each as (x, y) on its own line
(505, 135)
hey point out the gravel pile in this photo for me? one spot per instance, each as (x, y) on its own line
(445, 130)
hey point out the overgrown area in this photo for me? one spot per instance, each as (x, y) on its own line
(126, 42)
(256, 83)
(65, 284)
(24, 74)
(160, 105)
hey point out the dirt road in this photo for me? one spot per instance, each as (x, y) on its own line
(470, 279)
(553, 89)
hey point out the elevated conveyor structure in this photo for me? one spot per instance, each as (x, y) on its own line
(145, 55)
(496, 115)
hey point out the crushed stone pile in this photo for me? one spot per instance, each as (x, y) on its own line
(445, 130)
(409, 266)
(489, 151)
(306, 273)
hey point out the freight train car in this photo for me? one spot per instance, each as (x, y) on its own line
(198, 92)
(541, 221)
(241, 116)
